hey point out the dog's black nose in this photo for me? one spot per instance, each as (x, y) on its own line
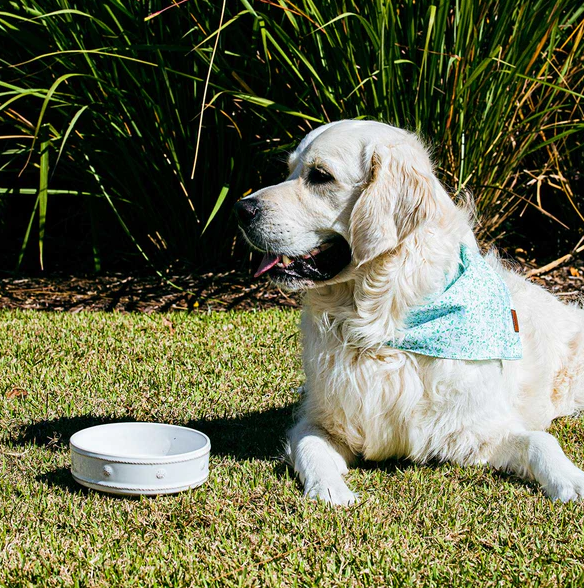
(247, 209)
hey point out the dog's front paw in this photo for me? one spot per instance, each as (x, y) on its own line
(567, 487)
(334, 493)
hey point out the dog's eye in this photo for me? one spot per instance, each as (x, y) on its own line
(319, 176)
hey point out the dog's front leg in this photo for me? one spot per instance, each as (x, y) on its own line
(538, 455)
(320, 463)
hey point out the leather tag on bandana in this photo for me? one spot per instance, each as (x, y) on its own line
(515, 322)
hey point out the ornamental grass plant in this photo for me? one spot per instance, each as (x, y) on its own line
(130, 128)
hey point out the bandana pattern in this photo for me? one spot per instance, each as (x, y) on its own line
(471, 320)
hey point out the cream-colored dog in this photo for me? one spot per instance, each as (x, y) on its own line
(363, 225)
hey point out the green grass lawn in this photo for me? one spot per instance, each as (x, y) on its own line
(234, 377)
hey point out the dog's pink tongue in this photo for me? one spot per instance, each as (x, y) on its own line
(268, 262)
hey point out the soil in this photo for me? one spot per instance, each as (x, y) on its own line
(197, 293)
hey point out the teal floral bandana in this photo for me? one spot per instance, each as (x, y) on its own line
(472, 319)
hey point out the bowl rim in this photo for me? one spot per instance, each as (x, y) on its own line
(138, 458)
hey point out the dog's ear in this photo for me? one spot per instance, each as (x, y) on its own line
(398, 198)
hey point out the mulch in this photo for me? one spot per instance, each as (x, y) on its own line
(143, 293)
(222, 291)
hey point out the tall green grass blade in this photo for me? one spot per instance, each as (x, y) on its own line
(70, 128)
(43, 191)
(249, 7)
(100, 53)
(45, 105)
(218, 203)
(94, 237)
(114, 208)
(72, 11)
(271, 105)
(26, 238)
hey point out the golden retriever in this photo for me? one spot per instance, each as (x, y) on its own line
(363, 225)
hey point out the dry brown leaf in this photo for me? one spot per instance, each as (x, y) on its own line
(17, 393)
(168, 324)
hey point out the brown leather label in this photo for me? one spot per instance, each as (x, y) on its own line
(515, 322)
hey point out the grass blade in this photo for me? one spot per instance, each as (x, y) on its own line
(218, 203)
(43, 192)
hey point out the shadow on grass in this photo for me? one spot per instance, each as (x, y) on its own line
(55, 433)
(467, 476)
(256, 435)
(62, 478)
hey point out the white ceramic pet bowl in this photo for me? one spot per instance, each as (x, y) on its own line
(140, 458)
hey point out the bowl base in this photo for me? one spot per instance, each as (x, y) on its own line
(122, 490)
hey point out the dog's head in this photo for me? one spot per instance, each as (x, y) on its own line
(355, 191)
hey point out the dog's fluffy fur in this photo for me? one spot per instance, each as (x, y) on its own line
(363, 397)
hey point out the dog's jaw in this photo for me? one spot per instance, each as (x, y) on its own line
(314, 268)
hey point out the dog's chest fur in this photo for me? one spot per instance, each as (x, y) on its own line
(390, 403)
(367, 400)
